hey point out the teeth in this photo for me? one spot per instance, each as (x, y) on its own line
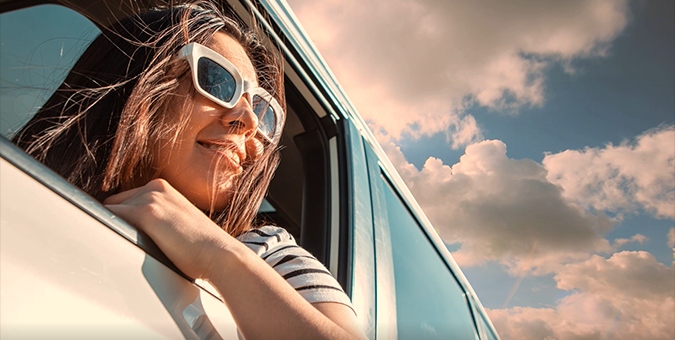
(213, 146)
(222, 149)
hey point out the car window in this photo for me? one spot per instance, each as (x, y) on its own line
(39, 45)
(486, 329)
(430, 303)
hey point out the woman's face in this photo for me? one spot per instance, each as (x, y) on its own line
(209, 152)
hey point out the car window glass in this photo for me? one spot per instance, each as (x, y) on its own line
(266, 207)
(39, 46)
(430, 304)
(488, 331)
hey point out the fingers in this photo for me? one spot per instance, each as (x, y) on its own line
(127, 214)
(140, 206)
(154, 185)
(122, 196)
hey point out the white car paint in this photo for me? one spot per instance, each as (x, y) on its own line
(63, 273)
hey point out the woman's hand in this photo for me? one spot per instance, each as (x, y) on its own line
(183, 232)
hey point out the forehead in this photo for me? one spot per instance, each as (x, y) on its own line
(235, 53)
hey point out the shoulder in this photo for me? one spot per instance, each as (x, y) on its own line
(274, 244)
(268, 238)
(296, 265)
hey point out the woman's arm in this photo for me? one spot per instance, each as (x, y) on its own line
(262, 303)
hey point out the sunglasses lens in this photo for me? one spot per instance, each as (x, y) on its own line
(267, 118)
(215, 80)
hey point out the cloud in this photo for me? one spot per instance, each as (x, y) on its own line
(628, 296)
(503, 209)
(620, 242)
(635, 174)
(412, 67)
(671, 238)
(535, 217)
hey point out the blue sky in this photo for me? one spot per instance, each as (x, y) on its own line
(538, 137)
(612, 99)
(609, 99)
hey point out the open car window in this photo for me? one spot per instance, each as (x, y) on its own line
(40, 45)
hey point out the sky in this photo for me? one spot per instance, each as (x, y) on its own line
(539, 139)
(537, 136)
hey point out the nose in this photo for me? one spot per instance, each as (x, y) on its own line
(241, 117)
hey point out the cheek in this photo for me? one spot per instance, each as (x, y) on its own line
(178, 111)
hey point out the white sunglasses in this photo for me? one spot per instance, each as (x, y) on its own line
(218, 79)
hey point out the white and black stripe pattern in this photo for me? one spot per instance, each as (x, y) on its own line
(297, 266)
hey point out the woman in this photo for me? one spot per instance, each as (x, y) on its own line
(172, 118)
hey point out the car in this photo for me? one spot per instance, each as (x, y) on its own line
(70, 267)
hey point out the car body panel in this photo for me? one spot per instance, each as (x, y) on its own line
(317, 68)
(66, 274)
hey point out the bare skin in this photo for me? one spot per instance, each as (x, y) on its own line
(167, 209)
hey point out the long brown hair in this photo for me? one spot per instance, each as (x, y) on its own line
(99, 126)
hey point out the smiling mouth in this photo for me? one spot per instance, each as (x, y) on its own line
(224, 151)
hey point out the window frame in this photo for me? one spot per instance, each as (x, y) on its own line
(318, 210)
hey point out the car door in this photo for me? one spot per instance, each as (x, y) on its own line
(69, 266)
(64, 254)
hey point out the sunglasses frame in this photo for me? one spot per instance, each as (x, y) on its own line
(193, 51)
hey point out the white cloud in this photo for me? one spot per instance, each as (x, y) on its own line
(671, 238)
(410, 66)
(627, 274)
(536, 217)
(639, 238)
(628, 296)
(622, 178)
(502, 209)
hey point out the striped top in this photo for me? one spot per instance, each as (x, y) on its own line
(301, 270)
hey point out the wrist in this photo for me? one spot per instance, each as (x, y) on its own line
(230, 258)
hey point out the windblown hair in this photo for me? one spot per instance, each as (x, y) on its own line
(100, 126)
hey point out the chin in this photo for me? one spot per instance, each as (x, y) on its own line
(220, 206)
(217, 203)
(214, 200)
